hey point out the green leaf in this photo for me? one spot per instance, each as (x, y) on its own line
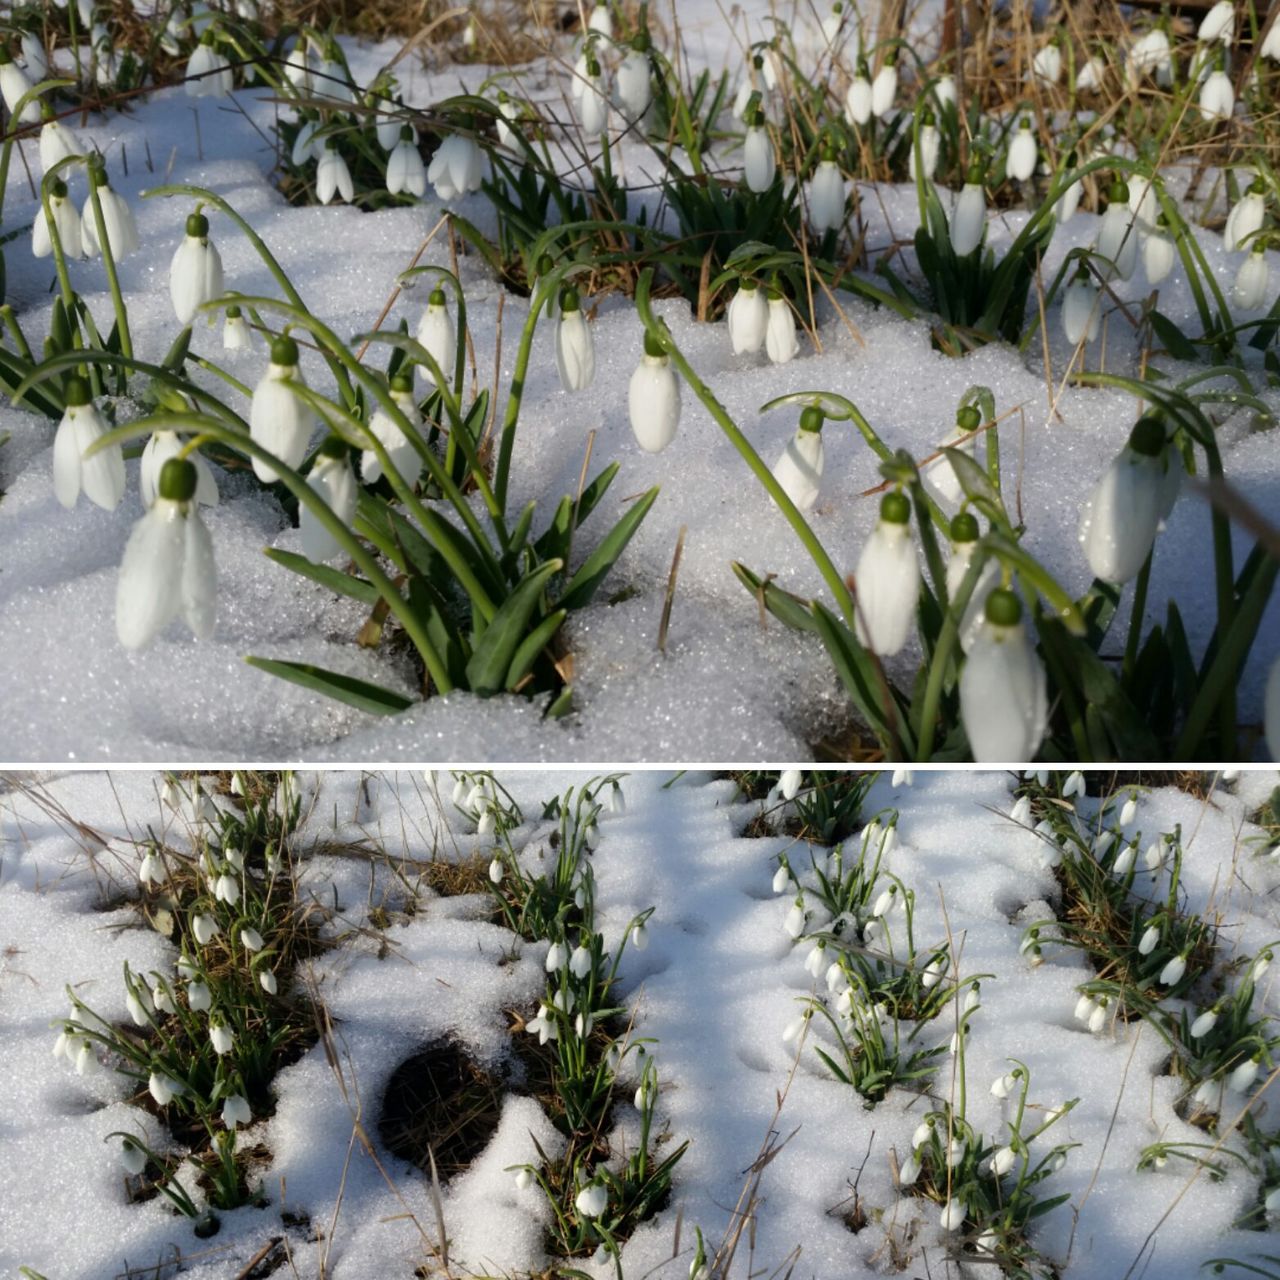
(974, 480)
(582, 586)
(345, 584)
(790, 609)
(360, 694)
(561, 705)
(532, 646)
(493, 655)
(1178, 345)
(558, 537)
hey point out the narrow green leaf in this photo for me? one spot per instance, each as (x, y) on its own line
(532, 646)
(582, 586)
(344, 584)
(493, 655)
(360, 694)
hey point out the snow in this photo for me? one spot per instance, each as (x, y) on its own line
(725, 688)
(713, 990)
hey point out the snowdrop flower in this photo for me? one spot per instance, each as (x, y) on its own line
(888, 580)
(332, 79)
(827, 195)
(1081, 309)
(227, 889)
(164, 1088)
(220, 1037)
(952, 1216)
(789, 783)
(133, 1157)
(929, 144)
(1047, 64)
(333, 177)
(58, 141)
(101, 476)
(1204, 1023)
(1021, 161)
(1098, 1016)
(1089, 77)
(278, 420)
(117, 219)
(65, 221)
(457, 168)
(557, 957)
(405, 170)
(1069, 200)
(1125, 860)
(799, 468)
(635, 79)
(1118, 523)
(199, 997)
(495, 871)
(1117, 236)
(1173, 972)
(1208, 1095)
(297, 66)
(793, 1028)
(208, 71)
(601, 19)
(204, 927)
(524, 1180)
(575, 350)
(1151, 53)
(932, 974)
(1155, 855)
(151, 870)
(580, 963)
(391, 126)
(306, 145)
(1074, 785)
(332, 478)
(616, 801)
(1150, 936)
(1004, 1085)
(640, 937)
(955, 1152)
(653, 399)
(1217, 96)
(794, 923)
(592, 1200)
(195, 274)
(1129, 810)
(139, 1006)
(1246, 217)
(781, 877)
(969, 218)
(14, 86)
(162, 446)
(923, 1133)
(267, 981)
(857, 102)
(1242, 1078)
(760, 164)
(1003, 697)
(964, 544)
(1002, 1161)
(235, 1110)
(909, 1170)
(34, 56)
(748, 318)
(1250, 287)
(593, 103)
(250, 939)
(436, 334)
(1218, 24)
(884, 88)
(1260, 966)
(1021, 811)
(780, 341)
(1158, 253)
(1271, 43)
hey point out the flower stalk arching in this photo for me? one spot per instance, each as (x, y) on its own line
(203, 426)
(662, 335)
(55, 236)
(97, 176)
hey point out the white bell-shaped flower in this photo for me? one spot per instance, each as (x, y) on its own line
(1218, 24)
(1069, 200)
(436, 334)
(1271, 43)
(964, 544)
(400, 448)
(236, 334)
(235, 1110)
(575, 350)
(930, 143)
(66, 222)
(952, 1216)
(1250, 288)
(1004, 702)
(1173, 972)
(117, 219)
(101, 476)
(969, 217)
(391, 125)
(1204, 1023)
(306, 145)
(1021, 161)
(221, 1037)
(35, 57)
(457, 168)
(332, 478)
(653, 399)
(939, 476)
(280, 421)
(298, 68)
(1047, 64)
(592, 1200)
(14, 86)
(827, 196)
(857, 101)
(601, 19)
(1151, 53)
(635, 80)
(1158, 253)
(199, 996)
(195, 274)
(760, 164)
(884, 88)
(748, 318)
(1246, 217)
(333, 177)
(208, 71)
(1119, 521)
(405, 170)
(58, 141)
(593, 105)
(267, 981)
(1089, 77)
(888, 580)
(164, 1088)
(1081, 309)
(781, 342)
(799, 469)
(162, 446)
(1217, 96)
(1118, 235)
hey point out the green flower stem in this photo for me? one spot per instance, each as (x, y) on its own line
(202, 425)
(941, 660)
(210, 197)
(108, 260)
(19, 338)
(1139, 610)
(830, 574)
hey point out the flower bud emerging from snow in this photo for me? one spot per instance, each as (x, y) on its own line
(592, 1200)
(794, 923)
(888, 580)
(557, 957)
(221, 1037)
(279, 421)
(780, 342)
(495, 871)
(1242, 1078)
(524, 1179)
(1003, 1086)
(101, 476)
(969, 218)
(640, 937)
(132, 1156)
(1021, 161)
(1173, 972)
(1250, 287)
(952, 1216)
(781, 877)
(653, 399)
(748, 318)
(799, 469)
(575, 350)
(1002, 1161)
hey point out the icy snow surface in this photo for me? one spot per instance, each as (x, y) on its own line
(715, 988)
(725, 689)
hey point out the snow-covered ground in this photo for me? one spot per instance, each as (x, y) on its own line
(725, 688)
(716, 987)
